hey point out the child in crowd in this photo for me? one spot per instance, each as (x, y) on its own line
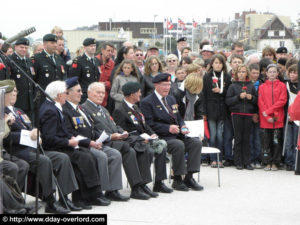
(292, 126)
(235, 61)
(255, 146)
(215, 85)
(241, 99)
(125, 73)
(272, 96)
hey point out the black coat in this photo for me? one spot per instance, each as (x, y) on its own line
(86, 71)
(4, 71)
(147, 86)
(45, 69)
(24, 86)
(238, 105)
(214, 103)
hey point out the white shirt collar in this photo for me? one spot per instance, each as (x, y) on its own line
(160, 99)
(73, 105)
(20, 56)
(58, 105)
(130, 105)
(48, 53)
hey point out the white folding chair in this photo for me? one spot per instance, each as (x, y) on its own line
(210, 150)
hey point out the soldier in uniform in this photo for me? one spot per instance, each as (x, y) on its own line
(109, 160)
(162, 115)
(48, 66)
(86, 67)
(24, 86)
(129, 116)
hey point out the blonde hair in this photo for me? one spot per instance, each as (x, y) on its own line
(56, 29)
(239, 67)
(193, 83)
(192, 68)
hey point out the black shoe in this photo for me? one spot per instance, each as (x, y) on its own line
(228, 163)
(116, 196)
(82, 205)
(178, 185)
(239, 167)
(147, 190)
(249, 167)
(161, 187)
(56, 208)
(297, 172)
(138, 193)
(71, 205)
(191, 183)
(100, 201)
(15, 211)
(289, 168)
(31, 208)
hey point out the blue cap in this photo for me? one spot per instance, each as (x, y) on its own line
(71, 82)
(161, 77)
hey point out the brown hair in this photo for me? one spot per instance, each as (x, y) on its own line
(292, 68)
(239, 67)
(147, 68)
(192, 68)
(221, 59)
(269, 51)
(236, 56)
(120, 68)
(290, 62)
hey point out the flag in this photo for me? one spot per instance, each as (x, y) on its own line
(206, 130)
(181, 24)
(195, 23)
(170, 25)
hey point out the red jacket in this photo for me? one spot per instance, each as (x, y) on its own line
(105, 76)
(272, 97)
(294, 112)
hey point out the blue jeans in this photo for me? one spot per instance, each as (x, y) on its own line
(255, 144)
(216, 128)
(291, 144)
(228, 137)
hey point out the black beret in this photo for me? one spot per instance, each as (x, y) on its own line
(181, 39)
(50, 37)
(10, 83)
(282, 50)
(162, 77)
(22, 41)
(153, 47)
(89, 41)
(71, 82)
(130, 88)
(282, 61)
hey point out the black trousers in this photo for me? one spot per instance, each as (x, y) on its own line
(271, 145)
(242, 126)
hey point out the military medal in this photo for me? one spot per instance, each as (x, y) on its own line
(88, 75)
(75, 122)
(98, 114)
(18, 76)
(47, 74)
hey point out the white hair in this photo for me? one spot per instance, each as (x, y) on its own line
(55, 88)
(96, 84)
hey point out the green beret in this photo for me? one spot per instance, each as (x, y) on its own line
(50, 37)
(10, 83)
(89, 41)
(22, 41)
(130, 88)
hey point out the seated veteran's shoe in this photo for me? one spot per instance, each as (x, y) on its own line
(14, 211)
(249, 167)
(147, 190)
(99, 201)
(82, 204)
(179, 185)
(56, 208)
(191, 183)
(138, 193)
(71, 205)
(116, 196)
(267, 167)
(161, 187)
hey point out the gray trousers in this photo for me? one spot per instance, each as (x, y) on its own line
(177, 149)
(109, 163)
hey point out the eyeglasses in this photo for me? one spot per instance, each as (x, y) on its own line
(172, 60)
(137, 55)
(154, 64)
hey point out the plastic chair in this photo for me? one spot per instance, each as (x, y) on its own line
(211, 150)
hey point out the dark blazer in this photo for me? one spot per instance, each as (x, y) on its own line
(55, 135)
(158, 118)
(86, 71)
(45, 69)
(125, 117)
(15, 131)
(147, 86)
(77, 125)
(24, 86)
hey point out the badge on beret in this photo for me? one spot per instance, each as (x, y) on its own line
(47, 74)
(18, 76)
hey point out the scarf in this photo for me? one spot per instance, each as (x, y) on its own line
(189, 112)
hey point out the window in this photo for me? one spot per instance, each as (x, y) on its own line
(282, 33)
(148, 30)
(276, 33)
(281, 43)
(271, 33)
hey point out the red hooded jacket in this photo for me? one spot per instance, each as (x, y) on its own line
(272, 96)
(294, 112)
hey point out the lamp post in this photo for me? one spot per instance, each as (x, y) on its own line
(154, 32)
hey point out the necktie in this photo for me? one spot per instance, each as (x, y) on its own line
(92, 60)
(52, 58)
(138, 115)
(168, 107)
(101, 111)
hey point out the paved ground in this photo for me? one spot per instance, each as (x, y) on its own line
(245, 197)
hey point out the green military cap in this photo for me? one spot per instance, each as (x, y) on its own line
(130, 88)
(10, 83)
(50, 37)
(22, 41)
(89, 41)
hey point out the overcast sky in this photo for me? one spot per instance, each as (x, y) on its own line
(44, 15)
